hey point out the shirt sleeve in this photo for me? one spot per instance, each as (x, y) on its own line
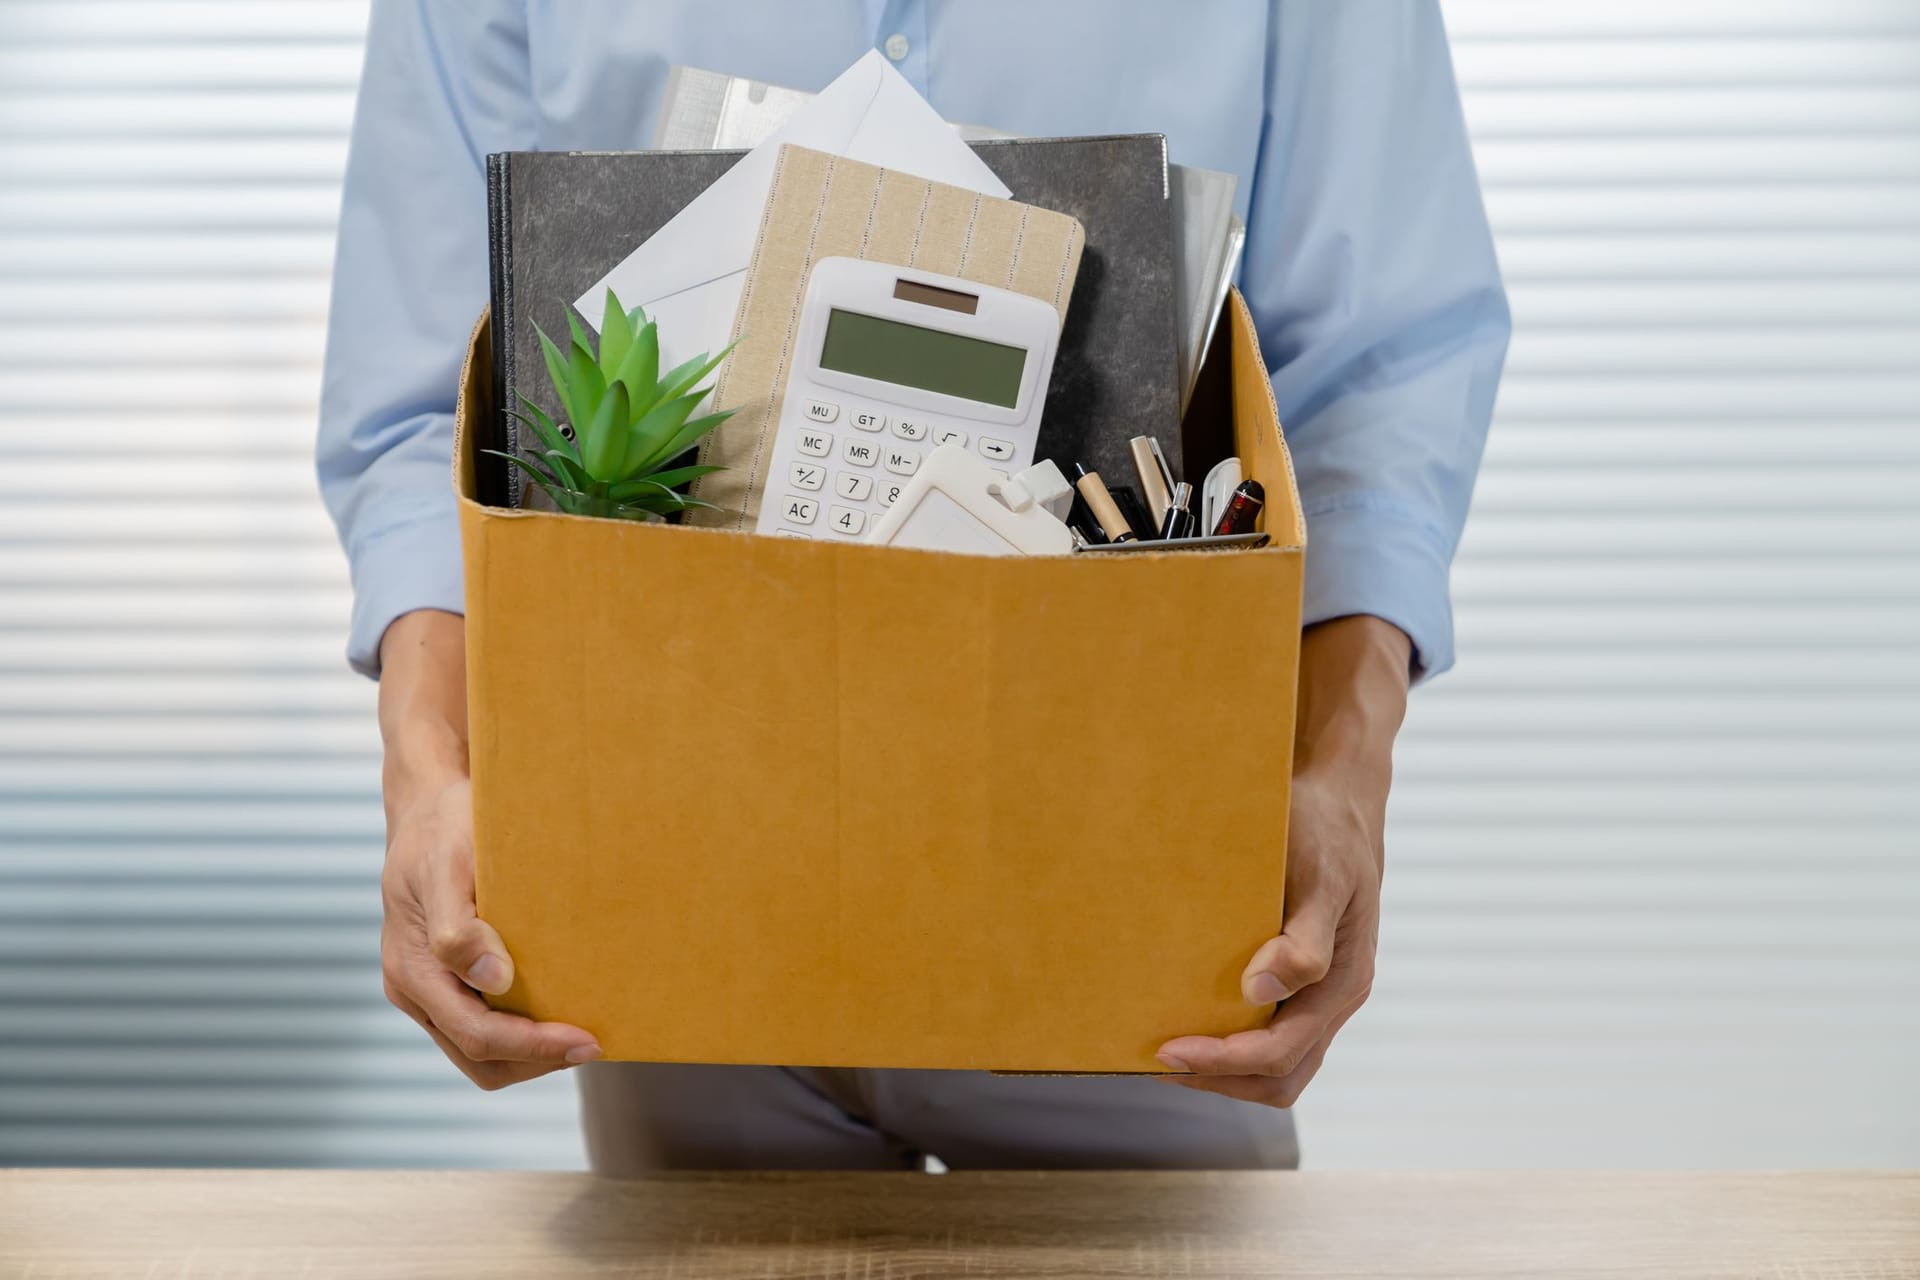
(1371, 275)
(445, 82)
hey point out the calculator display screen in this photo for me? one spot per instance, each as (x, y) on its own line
(910, 356)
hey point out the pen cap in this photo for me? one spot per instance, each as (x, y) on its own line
(1179, 520)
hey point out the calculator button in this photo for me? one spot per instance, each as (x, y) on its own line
(950, 435)
(902, 462)
(861, 453)
(849, 484)
(822, 410)
(890, 494)
(868, 421)
(910, 429)
(848, 521)
(998, 450)
(808, 475)
(817, 443)
(791, 533)
(800, 510)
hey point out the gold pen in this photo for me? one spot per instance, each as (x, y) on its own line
(1100, 502)
(1156, 485)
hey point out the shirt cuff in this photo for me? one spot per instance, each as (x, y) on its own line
(1366, 554)
(404, 567)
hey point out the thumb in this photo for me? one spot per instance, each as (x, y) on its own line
(468, 945)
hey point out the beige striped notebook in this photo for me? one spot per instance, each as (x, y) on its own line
(825, 206)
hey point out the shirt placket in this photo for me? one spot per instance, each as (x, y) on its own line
(902, 36)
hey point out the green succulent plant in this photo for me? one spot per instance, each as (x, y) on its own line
(627, 426)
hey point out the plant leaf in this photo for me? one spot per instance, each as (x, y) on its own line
(676, 375)
(678, 379)
(524, 463)
(583, 368)
(677, 475)
(546, 428)
(629, 490)
(653, 431)
(636, 514)
(665, 507)
(641, 369)
(581, 337)
(604, 448)
(615, 336)
(641, 490)
(565, 468)
(585, 374)
(539, 477)
(588, 387)
(558, 374)
(682, 440)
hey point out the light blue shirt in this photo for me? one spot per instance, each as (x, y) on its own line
(1369, 267)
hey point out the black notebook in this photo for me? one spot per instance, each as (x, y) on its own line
(1117, 374)
(558, 221)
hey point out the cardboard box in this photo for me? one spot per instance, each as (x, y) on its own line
(765, 800)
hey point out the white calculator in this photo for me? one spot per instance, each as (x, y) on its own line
(890, 362)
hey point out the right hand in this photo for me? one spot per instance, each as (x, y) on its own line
(436, 954)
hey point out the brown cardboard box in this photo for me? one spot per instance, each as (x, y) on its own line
(765, 800)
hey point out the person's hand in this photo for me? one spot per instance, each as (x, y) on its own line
(1353, 685)
(435, 952)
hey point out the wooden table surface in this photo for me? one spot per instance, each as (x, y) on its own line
(162, 1224)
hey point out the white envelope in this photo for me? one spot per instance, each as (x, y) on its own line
(690, 273)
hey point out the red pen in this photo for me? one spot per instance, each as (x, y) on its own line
(1242, 509)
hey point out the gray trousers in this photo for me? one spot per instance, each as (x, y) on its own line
(640, 1117)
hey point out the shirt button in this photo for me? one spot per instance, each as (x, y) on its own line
(896, 46)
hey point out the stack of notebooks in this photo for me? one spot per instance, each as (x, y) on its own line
(1157, 239)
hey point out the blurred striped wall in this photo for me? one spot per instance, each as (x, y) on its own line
(1654, 869)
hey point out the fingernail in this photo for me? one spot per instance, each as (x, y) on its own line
(582, 1053)
(489, 974)
(1264, 988)
(1172, 1063)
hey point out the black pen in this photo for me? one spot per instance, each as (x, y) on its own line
(1179, 522)
(1134, 511)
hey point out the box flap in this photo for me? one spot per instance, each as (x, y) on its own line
(1257, 432)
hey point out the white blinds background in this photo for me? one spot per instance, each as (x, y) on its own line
(190, 829)
(1653, 880)
(1653, 869)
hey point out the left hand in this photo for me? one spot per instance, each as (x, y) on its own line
(1353, 684)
